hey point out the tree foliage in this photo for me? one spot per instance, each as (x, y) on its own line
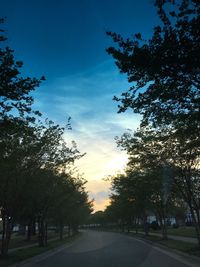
(164, 73)
(165, 70)
(37, 183)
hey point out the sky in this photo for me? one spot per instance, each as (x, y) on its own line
(66, 41)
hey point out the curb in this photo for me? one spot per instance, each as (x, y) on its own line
(195, 259)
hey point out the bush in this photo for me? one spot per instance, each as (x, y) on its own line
(188, 223)
(154, 225)
(175, 225)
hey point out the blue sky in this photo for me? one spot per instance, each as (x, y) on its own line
(65, 41)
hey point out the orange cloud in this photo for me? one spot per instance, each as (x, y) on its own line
(102, 205)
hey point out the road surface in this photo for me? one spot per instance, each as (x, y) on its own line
(103, 249)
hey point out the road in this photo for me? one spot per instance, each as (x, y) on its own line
(103, 249)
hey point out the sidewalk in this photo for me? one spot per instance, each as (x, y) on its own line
(34, 244)
(174, 237)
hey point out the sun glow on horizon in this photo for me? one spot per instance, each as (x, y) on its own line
(117, 163)
(96, 167)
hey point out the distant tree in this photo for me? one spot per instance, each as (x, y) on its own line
(125, 201)
(140, 191)
(174, 162)
(97, 219)
(72, 206)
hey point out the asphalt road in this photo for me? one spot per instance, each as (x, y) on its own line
(103, 249)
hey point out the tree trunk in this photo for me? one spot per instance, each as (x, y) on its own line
(6, 233)
(29, 232)
(162, 218)
(34, 227)
(146, 226)
(163, 227)
(69, 230)
(136, 224)
(41, 232)
(3, 252)
(164, 230)
(129, 223)
(196, 223)
(45, 233)
(197, 228)
(74, 229)
(61, 231)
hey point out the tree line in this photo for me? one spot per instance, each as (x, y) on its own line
(163, 170)
(38, 183)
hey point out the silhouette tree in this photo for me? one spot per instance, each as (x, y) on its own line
(165, 157)
(164, 73)
(15, 115)
(165, 70)
(33, 155)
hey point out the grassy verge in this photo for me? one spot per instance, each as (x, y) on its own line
(181, 231)
(25, 253)
(182, 246)
(20, 240)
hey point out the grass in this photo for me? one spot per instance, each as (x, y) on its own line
(183, 231)
(182, 246)
(20, 240)
(25, 253)
(186, 231)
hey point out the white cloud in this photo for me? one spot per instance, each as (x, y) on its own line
(87, 98)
